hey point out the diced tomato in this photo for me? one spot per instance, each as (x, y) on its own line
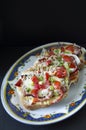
(57, 84)
(42, 86)
(67, 58)
(70, 60)
(70, 48)
(61, 72)
(72, 65)
(19, 83)
(48, 62)
(36, 86)
(47, 76)
(35, 79)
(34, 92)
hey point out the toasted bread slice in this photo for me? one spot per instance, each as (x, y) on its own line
(48, 81)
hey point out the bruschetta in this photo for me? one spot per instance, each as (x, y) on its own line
(49, 79)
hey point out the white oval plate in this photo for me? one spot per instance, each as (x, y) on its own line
(75, 100)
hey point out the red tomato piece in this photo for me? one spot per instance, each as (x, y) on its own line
(72, 65)
(35, 79)
(70, 60)
(70, 48)
(34, 92)
(36, 85)
(48, 62)
(47, 76)
(42, 86)
(67, 58)
(19, 83)
(57, 84)
(61, 72)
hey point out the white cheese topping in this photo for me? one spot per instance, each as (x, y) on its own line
(27, 83)
(44, 93)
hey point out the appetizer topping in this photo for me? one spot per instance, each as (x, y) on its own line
(51, 75)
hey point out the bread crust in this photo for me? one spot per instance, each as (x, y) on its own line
(40, 104)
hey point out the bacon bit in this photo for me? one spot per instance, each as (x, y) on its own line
(72, 104)
(16, 74)
(11, 91)
(47, 116)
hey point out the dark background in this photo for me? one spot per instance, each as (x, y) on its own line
(39, 22)
(26, 24)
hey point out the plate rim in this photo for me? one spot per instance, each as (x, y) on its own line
(20, 119)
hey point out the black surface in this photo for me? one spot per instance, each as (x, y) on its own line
(8, 55)
(35, 21)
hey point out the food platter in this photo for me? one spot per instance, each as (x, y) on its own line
(75, 100)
